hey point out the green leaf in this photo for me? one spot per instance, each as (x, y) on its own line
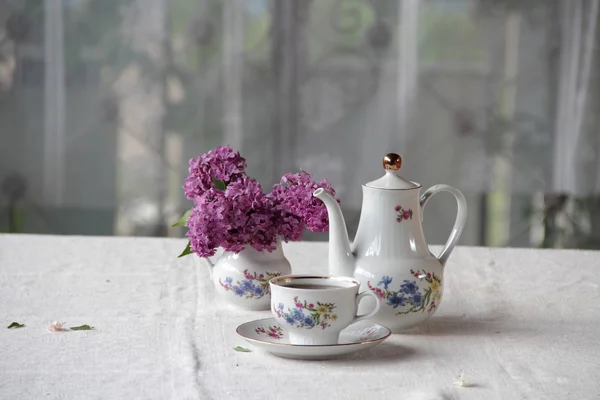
(82, 328)
(219, 185)
(186, 251)
(242, 349)
(15, 325)
(183, 219)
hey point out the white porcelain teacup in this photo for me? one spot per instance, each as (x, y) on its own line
(315, 309)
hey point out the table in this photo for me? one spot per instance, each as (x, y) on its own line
(517, 323)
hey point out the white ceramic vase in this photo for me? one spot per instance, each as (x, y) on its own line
(242, 279)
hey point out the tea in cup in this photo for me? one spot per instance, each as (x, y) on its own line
(315, 309)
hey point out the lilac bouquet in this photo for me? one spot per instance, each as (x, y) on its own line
(232, 211)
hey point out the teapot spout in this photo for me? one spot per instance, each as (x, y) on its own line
(341, 259)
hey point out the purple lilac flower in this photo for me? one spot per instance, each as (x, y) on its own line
(206, 229)
(239, 216)
(242, 215)
(250, 219)
(297, 208)
(222, 163)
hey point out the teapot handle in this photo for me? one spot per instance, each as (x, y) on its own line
(459, 223)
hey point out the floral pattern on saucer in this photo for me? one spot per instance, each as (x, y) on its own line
(357, 337)
(272, 331)
(409, 295)
(307, 315)
(255, 286)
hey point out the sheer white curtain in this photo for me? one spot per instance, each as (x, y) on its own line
(497, 98)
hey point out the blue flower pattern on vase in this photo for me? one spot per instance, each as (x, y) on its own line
(409, 287)
(410, 296)
(255, 286)
(247, 286)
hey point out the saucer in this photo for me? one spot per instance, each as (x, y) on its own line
(269, 335)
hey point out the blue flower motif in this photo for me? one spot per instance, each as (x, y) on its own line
(238, 291)
(258, 291)
(417, 299)
(297, 314)
(394, 300)
(229, 280)
(409, 287)
(385, 281)
(280, 306)
(247, 285)
(309, 321)
(289, 319)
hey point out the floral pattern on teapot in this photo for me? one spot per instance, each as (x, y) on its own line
(255, 286)
(307, 315)
(403, 214)
(409, 295)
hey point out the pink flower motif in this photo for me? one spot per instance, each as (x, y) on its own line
(57, 327)
(323, 325)
(311, 305)
(403, 214)
(379, 293)
(429, 275)
(299, 305)
(261, 276)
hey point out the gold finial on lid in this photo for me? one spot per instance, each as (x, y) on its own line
(392, 161)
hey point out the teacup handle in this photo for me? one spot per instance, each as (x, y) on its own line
(377, 305)
(459, 223)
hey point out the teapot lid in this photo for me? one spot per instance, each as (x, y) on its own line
(391, 180)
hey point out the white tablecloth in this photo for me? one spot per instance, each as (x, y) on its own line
(518, 324)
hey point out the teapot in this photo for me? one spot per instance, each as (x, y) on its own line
(389, 255)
